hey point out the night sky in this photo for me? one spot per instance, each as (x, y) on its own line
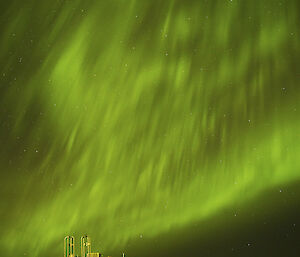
(158, 127)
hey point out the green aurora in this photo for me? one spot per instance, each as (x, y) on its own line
(127, 119)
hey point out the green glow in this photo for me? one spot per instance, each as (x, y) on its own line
(128, 118)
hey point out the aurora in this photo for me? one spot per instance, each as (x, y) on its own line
(131, 119)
